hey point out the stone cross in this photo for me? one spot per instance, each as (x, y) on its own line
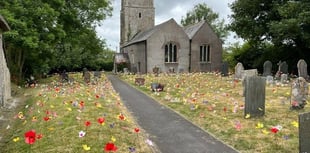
(302, 69)
(267, 68)
(255, 89)
(5, 79)
(238, 71)
(304, 132)
(299, 93)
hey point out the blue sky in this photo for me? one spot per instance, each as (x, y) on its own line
(164, 10)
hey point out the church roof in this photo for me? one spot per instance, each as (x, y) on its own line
(144, 35)
(3, 24)
(191, 30)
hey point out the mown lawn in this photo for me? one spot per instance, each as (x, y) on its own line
(216, 104)
(74, 117)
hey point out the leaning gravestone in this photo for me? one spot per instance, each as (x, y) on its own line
(299, 93)
(225, 69)
(5, 79)
(238, 71)
(302, 69)
(255, 88)
(304, 132)
(267, 68)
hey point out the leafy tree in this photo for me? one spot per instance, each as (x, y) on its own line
(202, 12)
(50, 34)
(283, 24)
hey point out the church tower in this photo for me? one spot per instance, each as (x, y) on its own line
(136, 16)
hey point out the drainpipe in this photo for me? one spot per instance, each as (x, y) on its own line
(145, 49)
(190, 55)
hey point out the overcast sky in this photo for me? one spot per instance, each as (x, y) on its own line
(164, 10)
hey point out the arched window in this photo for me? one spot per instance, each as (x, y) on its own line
(171, 53)
(205, 53)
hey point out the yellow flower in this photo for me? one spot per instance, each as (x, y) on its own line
(265, 131)
(16, 139)
(85, 147)
(260, 125)
(113, 139)
(295, 124)
(247, 116)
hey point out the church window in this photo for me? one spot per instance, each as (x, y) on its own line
(170, 53)
(140, 14)
(205, 53)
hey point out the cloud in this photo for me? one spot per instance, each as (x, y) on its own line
(164, 10)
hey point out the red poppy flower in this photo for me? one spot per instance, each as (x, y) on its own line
(110, 147)
(100, 120)
(97, 96)
(137, 130)
(46, 118)
(82, 104)
(121, 117)
(39, 136)
(30, 137)
(224, 109)
(87, 123)
(274, 130)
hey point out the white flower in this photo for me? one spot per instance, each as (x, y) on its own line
(82, 134)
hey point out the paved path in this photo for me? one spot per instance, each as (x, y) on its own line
(168, 130)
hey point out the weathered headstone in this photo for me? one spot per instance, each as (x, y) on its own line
(139, 81)
(157, 87)
(284, 78)
(238, 71)
(64, 77)
(97, 74)
(304, 132)
(269, 79)
(302, 69)
(248, 73)
(267, 68)
(255, 88)
(299, 93)
(5, 79)
(225, 69)
(86, 75)
(156, 70)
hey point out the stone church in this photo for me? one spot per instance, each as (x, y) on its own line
(168, 46)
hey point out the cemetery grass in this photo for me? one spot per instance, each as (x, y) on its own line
(75, 117)
(216, 104)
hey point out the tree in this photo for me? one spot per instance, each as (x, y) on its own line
(202, 12)
(45, 30)
(284, 24)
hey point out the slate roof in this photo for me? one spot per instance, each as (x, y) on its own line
(144, 35)
(3, 24)
(191, 30)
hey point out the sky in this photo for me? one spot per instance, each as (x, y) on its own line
(164, 10)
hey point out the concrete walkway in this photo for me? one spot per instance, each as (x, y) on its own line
(168, 130)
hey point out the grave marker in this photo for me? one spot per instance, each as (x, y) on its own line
(225, 69)
(304, 132)
(254, 96)
(299, 93)
(238, 71)
(302, 69)
(267, 68)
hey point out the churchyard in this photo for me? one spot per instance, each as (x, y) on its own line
(217, 105)
(74, 116)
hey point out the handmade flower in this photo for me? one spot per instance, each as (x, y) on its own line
(30, 137)
(259, 125)
(100, 120)
(113, 139)
(132, 149)
(121, 117)
(137, 130)
(87, 123)
(16, 139)
(85, 147)
(39, 136)
(46, 118)
(110, 147)
(295, 124)
(276, 129)
(82, 134)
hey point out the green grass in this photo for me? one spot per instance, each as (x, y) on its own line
(59, 111)
(214, 103)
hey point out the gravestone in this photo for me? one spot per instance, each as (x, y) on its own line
(5, 79)
(225, 69)
(248, 73)
(64, 77)
(238, 71)
(284, 78)
(97, 74)
(299, 93)
(157, 87)
(86, 75)
(269, 79)
(302, 69)
(304, 132)
(156, 70)
(255, 88)
(267, 68)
